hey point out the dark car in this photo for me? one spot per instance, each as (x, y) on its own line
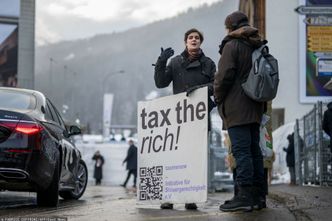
(37, 153)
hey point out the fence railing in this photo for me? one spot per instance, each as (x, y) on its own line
(312, 155)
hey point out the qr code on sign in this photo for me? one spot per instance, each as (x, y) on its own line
(151, 183)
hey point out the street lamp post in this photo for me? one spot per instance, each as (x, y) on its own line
(68, 90)
(107, 104)
(107, 77)
(50, 81)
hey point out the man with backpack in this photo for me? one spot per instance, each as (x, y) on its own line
(241, 114)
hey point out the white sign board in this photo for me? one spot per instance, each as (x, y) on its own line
(324, 67)
(107, 114)
(172, 149)
(315, 46)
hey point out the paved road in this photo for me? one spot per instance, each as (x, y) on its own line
(115, 203)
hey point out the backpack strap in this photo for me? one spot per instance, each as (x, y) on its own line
(264, 50)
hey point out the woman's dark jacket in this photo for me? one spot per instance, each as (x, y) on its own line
(234, 106)
(185, 74)
(98, 172)
(290, 156)
(131, 158)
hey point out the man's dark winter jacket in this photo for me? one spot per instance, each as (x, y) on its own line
(327, 122)
(184, 73)
(234, 106)
(290, 156)
(131, 158)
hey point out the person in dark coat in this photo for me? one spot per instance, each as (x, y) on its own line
(131, 160)
(290, 158)
(327, 122)
(187, 71)
(98, 171)
(241, 115)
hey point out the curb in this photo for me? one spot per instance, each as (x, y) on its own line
(290, 201)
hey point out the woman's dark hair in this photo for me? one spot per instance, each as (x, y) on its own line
(191, 31)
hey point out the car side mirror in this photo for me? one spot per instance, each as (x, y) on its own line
(74, 130)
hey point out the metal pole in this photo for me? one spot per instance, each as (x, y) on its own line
(297, 153)
(305, 150)
(71, 95)
(260, 23)
(210, 160)
(321, 161)
(50, 82)
(64, 82)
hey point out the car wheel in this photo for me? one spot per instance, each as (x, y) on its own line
(80, 183)
(50, 196)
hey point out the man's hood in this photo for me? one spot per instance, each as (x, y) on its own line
(249, 34)
(246, 33)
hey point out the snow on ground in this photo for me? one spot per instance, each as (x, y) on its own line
(280, 169)
(114, 153)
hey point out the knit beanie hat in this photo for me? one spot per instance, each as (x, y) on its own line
(236, 20)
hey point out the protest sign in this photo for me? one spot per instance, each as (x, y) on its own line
(172, 149)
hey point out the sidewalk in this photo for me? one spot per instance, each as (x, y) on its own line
(286, 203)
(304, 202)
(114, 203)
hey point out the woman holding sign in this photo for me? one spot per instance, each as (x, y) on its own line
(187, 71)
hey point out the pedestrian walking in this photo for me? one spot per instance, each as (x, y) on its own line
(187, 71)
(290, 158)
(241, 115)
(131, 160)
(98, 171)
(327, 123)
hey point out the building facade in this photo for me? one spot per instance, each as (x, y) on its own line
(286, 33)
(17, 43)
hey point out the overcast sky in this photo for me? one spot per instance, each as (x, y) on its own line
(72, 19)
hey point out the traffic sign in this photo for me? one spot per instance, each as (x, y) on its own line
(319, 38)
(324, 67)
(318, 20)
(314, 10)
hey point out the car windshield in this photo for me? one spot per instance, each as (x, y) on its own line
(16, 100)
